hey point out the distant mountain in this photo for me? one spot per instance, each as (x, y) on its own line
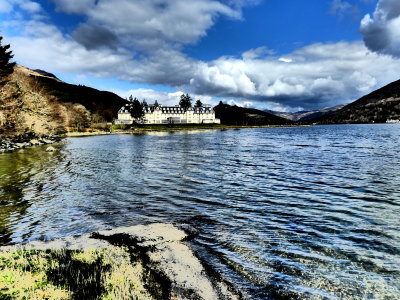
(235, 115)
(306, 115)
(377, 107)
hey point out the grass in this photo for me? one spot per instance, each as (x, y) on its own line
(71, 274)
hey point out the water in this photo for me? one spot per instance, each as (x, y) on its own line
(310, 212)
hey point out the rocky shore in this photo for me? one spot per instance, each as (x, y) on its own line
(159, 264)
(8, 144)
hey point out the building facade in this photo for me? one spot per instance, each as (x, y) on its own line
(169, 115)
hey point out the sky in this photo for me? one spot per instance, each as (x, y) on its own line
(283, 55)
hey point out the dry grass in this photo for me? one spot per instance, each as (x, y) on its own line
(26, 106)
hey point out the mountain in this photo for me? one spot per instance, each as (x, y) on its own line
(36, 102)
(306, 115)
(377, 107)
(235, 115)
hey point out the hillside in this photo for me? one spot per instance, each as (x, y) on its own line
(377, 107)
(37, 103)
(102, 105)
(235, 115)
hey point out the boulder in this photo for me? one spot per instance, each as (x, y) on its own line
(21, 145)
(50, 149)
(46, 141)
(35, 142)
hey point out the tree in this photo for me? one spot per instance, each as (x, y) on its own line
(144, 103)
(198, 103)
(130, 99)
(136, 109)
(79, 117)
(185, 102)
(6, 67)
(156, 104)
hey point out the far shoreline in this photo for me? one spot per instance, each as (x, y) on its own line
(163, 128)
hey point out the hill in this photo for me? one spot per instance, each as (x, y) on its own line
(235, 115)
(377, 107)
(102, 105)
(37, 103)
(306, 115)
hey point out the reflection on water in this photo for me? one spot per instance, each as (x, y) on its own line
(22, 176)
(281, 212)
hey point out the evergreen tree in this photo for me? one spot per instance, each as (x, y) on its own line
(6, 67)
(136, 109)
(198, 103)
(185, 102)
(130, 98)
(156, 104)
(144, 103)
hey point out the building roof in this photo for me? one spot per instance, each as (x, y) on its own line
(168, 109)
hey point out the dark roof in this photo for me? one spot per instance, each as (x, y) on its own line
(168, 109)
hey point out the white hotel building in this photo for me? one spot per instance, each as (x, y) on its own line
(170, 115)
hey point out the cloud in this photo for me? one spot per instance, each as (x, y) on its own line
(145, 25)
(5, 6)
(381, 32)
(285, 60)
(342, 8)
(31, 7)
(94, 36)
(319, 75)
(75, 6)
(257, 53)
(240, 104)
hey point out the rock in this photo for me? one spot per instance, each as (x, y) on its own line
(21, 145)
(163, 253)
(35, 142)
(50, 149)
(46, 141)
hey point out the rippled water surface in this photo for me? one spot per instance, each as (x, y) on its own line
(311, 212)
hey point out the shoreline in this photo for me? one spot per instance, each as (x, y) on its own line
(139, 130)
(9, 145)
(166, 266)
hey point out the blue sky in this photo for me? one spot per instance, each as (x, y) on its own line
(285, 55)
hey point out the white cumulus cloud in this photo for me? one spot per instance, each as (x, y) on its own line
(319, 75)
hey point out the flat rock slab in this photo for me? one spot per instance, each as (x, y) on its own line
(163, 251)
